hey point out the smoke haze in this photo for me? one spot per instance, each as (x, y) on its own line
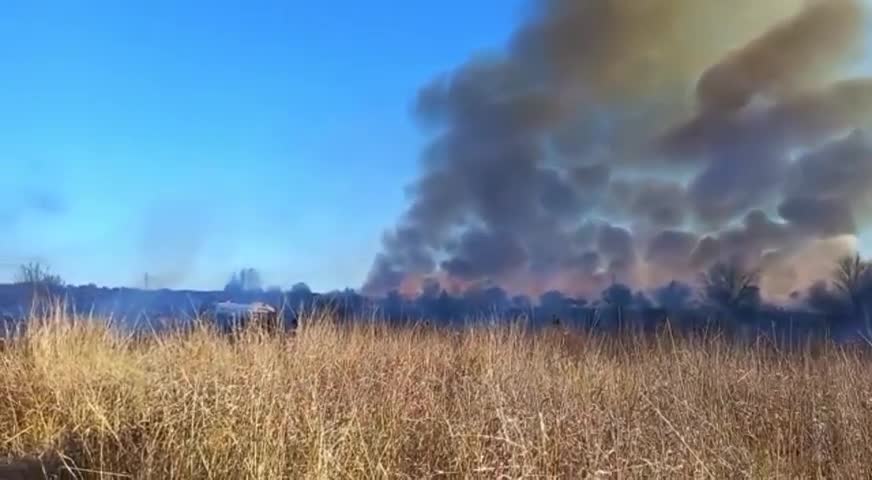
(641, 142)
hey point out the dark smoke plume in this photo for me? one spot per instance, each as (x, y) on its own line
(640, 141)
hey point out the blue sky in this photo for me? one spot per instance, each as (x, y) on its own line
(191, 138)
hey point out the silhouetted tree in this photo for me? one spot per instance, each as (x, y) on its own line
(245, 280)
(553, 303)
(640, 300)
(849, 298)
(732, 289)
(38, 275)
(301, 288)
(521, 302)
(446, 307)
(673, 297)
(394, 300)
(42, 283)
(497, 298)
(486, 300)
(822, 299)
(619, 296)
(851, 280)
(299, 298)
(430, 289)
(553, 300)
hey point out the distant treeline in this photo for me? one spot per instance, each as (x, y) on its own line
(727, 299)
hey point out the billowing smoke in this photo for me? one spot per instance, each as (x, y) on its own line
(641, 141)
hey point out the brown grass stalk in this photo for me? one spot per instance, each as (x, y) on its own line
(368, 401)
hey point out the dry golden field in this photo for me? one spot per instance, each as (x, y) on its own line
(369, 401)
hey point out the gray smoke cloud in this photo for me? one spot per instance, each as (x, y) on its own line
(31, 202)
(635, 141)
(172, 235)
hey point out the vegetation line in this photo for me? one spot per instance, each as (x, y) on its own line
(370, 400)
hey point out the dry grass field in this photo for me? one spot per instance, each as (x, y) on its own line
(369, 401)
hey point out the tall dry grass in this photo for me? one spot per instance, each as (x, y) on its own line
(373, 402)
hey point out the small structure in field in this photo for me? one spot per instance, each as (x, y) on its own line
(234, 316)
